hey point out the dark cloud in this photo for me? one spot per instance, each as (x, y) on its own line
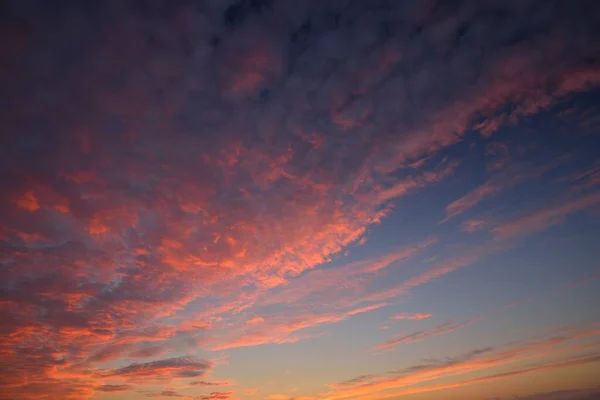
(356, 380)
(237, 12)
(204, 383)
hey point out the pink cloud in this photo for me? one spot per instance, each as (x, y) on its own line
(544, 218)
(474, 225)
(506, 175)
(285, 328)
(323, 284)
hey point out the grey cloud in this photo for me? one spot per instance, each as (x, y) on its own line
(113, 388)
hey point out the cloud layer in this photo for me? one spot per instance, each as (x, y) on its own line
(190, 177)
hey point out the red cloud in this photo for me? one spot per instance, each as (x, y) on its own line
(28, 202)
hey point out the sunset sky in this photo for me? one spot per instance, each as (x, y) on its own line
(299, 200)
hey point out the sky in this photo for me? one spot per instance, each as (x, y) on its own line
(299, 200)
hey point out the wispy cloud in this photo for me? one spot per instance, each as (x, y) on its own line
(446, 327)
(544, 218)
(416, 316)
(185, 367)
(572, 394)
(284, 328)
(216, 396)
(113, 388)
(507, 174)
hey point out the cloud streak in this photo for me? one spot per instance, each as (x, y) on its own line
(411, 317)
(186, 367)
(542, 352)
(418, 336)
(544, 218)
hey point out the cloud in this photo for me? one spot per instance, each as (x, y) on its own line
(544, 218)
(184, 367)
(285, 328)
(447, 362)
(205, 383)
(573, 394)
(416, 316)
(587, 178)
(570, 361)
(438, 270)
(108, 354)
(542, 354)
(168, 393)
(278, 396)
(506, 175)
(418, 336)
(148, 352)
(201, 163)
(321, 285)
(216, 396)
(113, 388)
(475, 225)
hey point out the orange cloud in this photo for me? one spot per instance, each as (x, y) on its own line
(281, 328)
(28, 201)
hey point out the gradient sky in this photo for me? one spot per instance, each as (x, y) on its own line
(307, 200)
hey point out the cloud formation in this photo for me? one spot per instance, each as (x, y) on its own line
(416, 316)
(182, 177)
(187, 367)
(541, 353)
(446, 327)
